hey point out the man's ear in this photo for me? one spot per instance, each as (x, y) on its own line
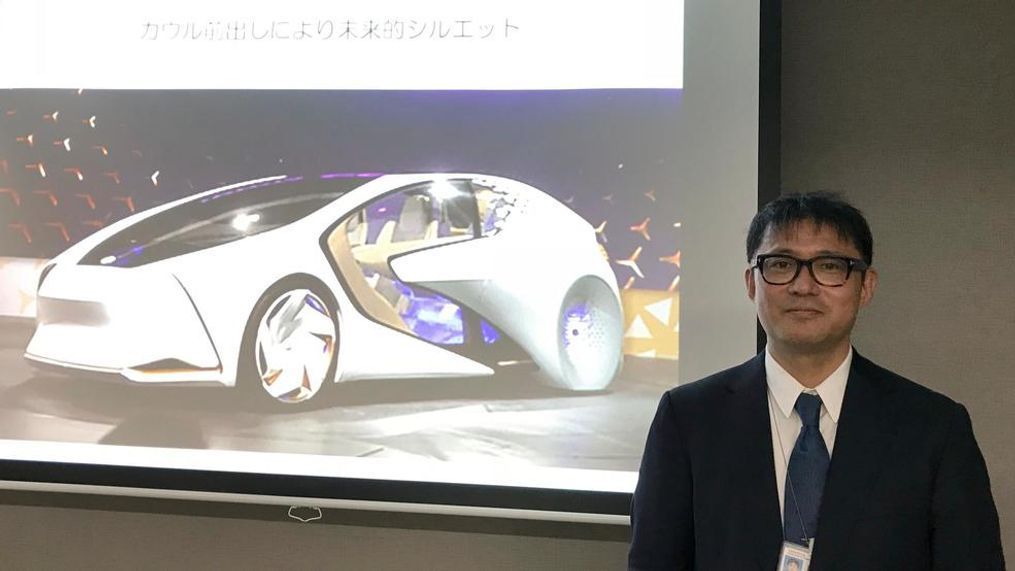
(750, 283)
(867, 286)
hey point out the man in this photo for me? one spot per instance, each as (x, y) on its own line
(809, 448)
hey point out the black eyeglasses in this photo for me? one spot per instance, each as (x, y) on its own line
(830, 271)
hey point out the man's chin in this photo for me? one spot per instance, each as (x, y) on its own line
(809, 344)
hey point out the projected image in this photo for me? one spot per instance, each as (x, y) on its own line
(369, 242)
(244, 285)
(476, 280)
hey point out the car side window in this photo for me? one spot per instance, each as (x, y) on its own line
(414, 218)
(493, 206)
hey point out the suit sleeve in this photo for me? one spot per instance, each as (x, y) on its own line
(662, 524)
(965, 531)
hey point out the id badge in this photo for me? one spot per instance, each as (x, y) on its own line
(794, 557)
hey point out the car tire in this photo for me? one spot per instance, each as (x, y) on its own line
(290, 344)
(589, 336)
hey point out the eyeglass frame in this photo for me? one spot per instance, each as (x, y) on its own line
(851, 264)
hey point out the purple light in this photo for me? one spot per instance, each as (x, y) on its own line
(312, 302)
(432, 316)
(577, 322)
(330, 175)
(490, 335)
(124, 257)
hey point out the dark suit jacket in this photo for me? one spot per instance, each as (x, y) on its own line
(907, 486)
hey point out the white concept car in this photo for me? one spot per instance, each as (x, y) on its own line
(288, 283)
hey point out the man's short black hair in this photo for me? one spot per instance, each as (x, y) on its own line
(821, 208)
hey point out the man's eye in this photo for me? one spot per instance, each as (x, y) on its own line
(831, 266)
(779, 264)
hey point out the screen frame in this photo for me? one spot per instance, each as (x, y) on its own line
(48, 482)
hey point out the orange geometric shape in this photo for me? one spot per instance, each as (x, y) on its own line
(28, 139)
(651, 323)
(672, 259)
(76, 172)
(88, 200)
(54, 116)
(48, 195)
(23, 230)
(115, 175)
(674, 284)
(15, 197)
(63, 229)
(126, 200)
(37, 167)
(642, 228)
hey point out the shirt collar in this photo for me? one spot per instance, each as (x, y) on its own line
(786, 389)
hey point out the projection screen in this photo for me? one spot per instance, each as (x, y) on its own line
(417, 256)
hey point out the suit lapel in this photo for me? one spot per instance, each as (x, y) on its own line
(862, 439)
(752, 457)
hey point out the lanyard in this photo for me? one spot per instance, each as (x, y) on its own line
(789, 480)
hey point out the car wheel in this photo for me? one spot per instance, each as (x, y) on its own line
(590, 333)
(291, 343)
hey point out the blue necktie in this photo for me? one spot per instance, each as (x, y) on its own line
(805, 477)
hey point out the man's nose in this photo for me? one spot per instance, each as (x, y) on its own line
(804, 284)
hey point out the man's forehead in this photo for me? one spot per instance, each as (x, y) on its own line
(809, 235)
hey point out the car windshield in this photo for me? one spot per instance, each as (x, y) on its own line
(219, 218)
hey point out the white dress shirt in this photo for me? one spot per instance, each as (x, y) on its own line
(783, 391)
